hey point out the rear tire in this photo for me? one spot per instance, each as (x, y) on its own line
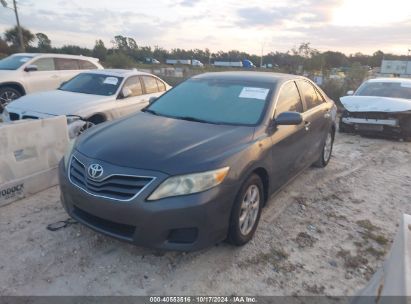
(326, 151)
(246, 211)
(7, 95)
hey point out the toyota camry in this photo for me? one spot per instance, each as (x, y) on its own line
(199, 163)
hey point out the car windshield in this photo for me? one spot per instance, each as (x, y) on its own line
(385, 89)
(14, 62)
(214, 101)
(96, 84)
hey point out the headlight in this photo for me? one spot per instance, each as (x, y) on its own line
(190, 183)
(69, 150)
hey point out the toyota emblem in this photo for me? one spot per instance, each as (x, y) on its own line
(95, 171)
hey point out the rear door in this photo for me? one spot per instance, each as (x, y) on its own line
(288, 142)
(46, 77)
(315, 117)
(136, 101)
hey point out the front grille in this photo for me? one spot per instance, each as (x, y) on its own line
(116, 186)
(123, 230)
(369, 115)
(14, 116)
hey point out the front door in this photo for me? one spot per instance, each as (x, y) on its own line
(46, 77)
(289, 143)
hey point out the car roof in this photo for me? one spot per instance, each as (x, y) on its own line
(119, 72)
(56, 55)
(396, 80)
(267, 77)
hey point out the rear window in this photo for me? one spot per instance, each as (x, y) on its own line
(67, 64)
(87, 65)
(385, 89)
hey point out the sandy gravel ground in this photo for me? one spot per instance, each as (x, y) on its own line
(326, 233)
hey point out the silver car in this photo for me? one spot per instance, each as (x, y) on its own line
(90, 98)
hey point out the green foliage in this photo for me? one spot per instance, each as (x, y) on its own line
(74, 50)
(100, 50)
(4, 48)
(43, 42)
(119, 61)
(11, 36)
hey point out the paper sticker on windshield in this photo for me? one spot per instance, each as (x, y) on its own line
(111, 80)
(256, 93)
(25, 59)
(406, 84)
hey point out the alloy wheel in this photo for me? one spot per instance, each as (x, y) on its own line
(6, 97)
(249, 209)
(328, 147)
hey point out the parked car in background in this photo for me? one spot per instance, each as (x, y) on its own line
(198, 164)
(240, 64)
(379, 106)
(152, 60)
(25, 73)
(193, 62)
(90, 98)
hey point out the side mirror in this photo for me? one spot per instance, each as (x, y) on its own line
(350, 92)
(288, 118)
(152, 99)
(31, 68)
(126, 92)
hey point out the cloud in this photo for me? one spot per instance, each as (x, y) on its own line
(189, 3)
(309, 11)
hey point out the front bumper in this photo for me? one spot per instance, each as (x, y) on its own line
(183, 223)
(370, 123)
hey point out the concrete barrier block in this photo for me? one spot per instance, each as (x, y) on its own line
(30, 151)
(392, 283)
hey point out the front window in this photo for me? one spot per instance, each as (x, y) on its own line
(215, 101)
(385, 89)
(14, 62)
(96, 84)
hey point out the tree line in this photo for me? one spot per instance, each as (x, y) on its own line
(126, 52)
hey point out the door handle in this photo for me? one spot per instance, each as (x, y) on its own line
(307, 125)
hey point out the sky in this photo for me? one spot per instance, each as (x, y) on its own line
(252, 26)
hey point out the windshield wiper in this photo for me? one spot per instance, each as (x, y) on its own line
(189, 118)
(150, 111)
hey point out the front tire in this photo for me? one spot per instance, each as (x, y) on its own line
(7, 95)
(246, 211)
(326, 151)
(406, 128)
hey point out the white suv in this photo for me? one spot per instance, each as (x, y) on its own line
(25, 73)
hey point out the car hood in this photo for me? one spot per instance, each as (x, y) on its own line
(375, 104)
(56, 102)
(171, 146)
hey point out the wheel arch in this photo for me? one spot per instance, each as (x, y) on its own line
(97, 118)
(18, 86)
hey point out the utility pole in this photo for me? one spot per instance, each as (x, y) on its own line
(262, 54)
(19, 30)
